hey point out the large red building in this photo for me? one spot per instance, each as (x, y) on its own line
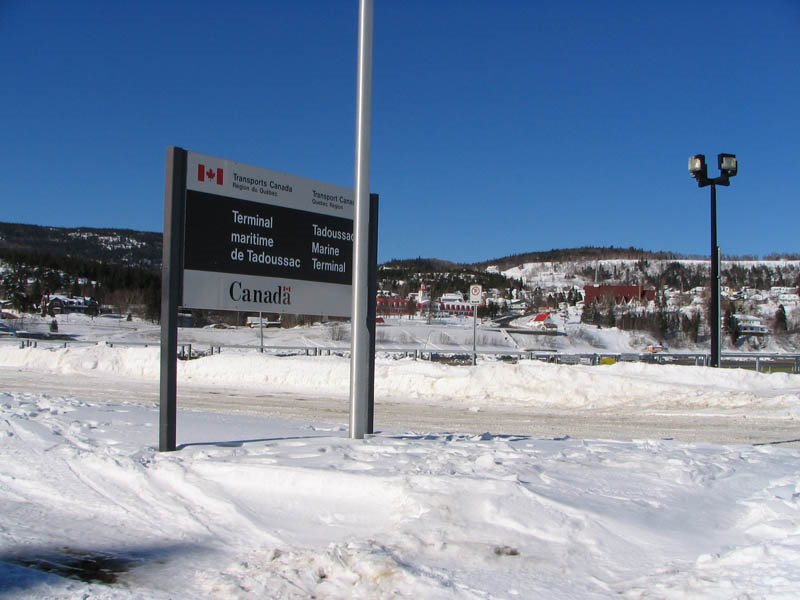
(389, 305)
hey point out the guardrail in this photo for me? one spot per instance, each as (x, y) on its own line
(758, 361)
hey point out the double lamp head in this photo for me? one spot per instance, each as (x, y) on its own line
(699, 169)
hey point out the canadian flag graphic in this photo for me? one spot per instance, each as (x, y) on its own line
(210, 174)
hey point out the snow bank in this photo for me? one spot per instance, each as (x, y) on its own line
(301, 511)
(527, 383)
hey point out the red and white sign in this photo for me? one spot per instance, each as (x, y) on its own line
(475, 294)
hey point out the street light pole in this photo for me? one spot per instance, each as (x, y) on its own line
(728, 167)
(714, 309)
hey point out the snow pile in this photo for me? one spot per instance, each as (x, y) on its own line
(301, 511)
(126, 362)
(527, 383)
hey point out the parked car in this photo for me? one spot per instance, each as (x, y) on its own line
(654, 348)
(6, 330)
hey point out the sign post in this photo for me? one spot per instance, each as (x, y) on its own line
(372, 307)
(475, 296)
(171, 260)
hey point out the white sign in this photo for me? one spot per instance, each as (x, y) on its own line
(264, 241)
(224, 291)
(475, 294)
(237, 180)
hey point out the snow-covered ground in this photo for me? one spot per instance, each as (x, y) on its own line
(258, 506)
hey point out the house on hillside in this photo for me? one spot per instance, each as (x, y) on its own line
(518, 306)
(750, 325)
(58, 304)
(776, 291)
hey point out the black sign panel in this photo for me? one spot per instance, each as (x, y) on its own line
(228, 235)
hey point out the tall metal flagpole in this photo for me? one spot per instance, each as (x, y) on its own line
(360, 345)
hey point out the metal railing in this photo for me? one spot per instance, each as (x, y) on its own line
(758, 361)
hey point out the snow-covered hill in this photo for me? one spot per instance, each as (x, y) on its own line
(580, 273)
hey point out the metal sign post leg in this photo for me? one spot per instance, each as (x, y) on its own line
(174, 193)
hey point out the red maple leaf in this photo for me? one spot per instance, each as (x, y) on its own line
(210, 174)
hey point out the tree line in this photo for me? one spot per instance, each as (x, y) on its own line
(30, 275)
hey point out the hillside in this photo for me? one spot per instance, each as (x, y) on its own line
(584, 253)
(111, 246)
(104, 263)
(681, 274)
(141, 249)
(113, 266)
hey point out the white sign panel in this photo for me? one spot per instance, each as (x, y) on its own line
(475, 294)
(264, 241)
(220, 291)
(237, 180)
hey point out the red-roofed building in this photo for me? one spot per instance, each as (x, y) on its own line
(394, 306)
(544, 321)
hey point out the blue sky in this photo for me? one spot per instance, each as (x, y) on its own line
(498, 127)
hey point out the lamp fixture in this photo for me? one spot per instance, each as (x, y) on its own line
(697, 166)
(728, 165)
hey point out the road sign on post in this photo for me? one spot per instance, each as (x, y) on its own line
(475, 297)
(238, 237)
(475, 294)
(264, 241)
